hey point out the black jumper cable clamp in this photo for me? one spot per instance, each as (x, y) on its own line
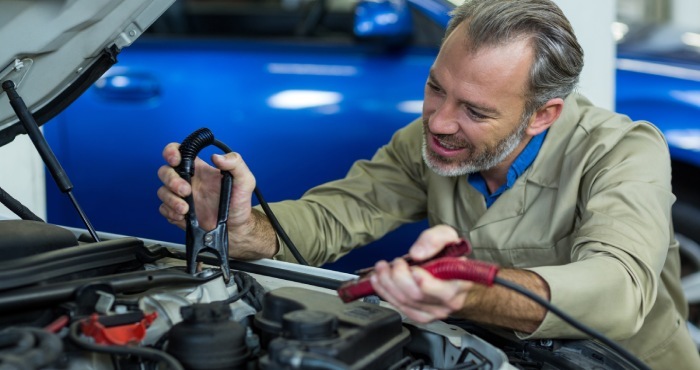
(198, 240)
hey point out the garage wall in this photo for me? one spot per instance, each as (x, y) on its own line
(686, 13)
(22, 176)
(592, 20)
(22, 173)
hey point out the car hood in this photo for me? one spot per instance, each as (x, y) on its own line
(53, 50)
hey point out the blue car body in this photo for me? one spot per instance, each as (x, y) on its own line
(299, 109)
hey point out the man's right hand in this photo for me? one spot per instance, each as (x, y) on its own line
(250, 234)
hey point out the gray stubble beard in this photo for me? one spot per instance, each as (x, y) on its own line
(483, 161)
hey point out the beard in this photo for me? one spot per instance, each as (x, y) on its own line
(477, 159)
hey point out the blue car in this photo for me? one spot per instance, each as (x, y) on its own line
(302, 89)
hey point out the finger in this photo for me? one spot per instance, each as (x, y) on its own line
(172, 216)
(449, 294)
(174, 203)
(420, 308)
(233, 162)
(171, 154)
(395, 283)
(243, 184)
(173, 181)
(432, 241)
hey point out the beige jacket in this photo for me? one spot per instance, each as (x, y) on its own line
(591, 216)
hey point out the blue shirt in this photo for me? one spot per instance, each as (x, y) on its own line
(521, 163)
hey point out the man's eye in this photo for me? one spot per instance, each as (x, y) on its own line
(434, 87)
(476, 115)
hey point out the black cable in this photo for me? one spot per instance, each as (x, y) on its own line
(573, 322)
(276, 225)
(244, 286)
(142, 352)
(270, 215)
(249, 290)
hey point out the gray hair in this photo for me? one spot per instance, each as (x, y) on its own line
(558, 56)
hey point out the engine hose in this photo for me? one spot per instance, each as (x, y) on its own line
(33, 348)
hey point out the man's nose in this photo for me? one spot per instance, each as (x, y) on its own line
(444, 120)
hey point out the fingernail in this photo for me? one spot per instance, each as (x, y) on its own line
(182, 190)
(419, 252)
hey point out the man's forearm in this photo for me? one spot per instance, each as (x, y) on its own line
(501, 306)
(255, 240)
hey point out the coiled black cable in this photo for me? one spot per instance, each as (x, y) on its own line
(203, 137)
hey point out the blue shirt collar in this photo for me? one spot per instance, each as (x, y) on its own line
(521, 163)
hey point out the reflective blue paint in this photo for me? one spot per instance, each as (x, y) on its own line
(437, 10)
(112, 142)
(387, 18)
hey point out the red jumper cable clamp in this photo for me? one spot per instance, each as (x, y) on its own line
(445, 265)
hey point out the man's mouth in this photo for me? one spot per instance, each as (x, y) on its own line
(447, 145)
(446, 148)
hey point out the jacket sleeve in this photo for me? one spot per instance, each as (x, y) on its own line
(375, 197)
(621, 242)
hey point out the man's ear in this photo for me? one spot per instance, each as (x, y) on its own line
(544, 117)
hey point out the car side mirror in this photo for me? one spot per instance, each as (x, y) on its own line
(388, 21)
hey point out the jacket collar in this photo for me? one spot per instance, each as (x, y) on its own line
(547, 168)
(545, 171)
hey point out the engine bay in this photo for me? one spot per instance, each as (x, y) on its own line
(127, 303)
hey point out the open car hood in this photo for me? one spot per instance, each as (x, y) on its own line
(53, 50)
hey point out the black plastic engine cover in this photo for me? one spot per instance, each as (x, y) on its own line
(301, 327)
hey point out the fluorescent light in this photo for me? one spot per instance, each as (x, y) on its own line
(691, 39)
(301, 99)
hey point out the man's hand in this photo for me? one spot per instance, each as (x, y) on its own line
(424, 298)
(414, 291)
(250, 234)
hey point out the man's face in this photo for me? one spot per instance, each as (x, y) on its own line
(474, 101)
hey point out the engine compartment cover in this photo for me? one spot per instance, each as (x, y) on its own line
(50, 49)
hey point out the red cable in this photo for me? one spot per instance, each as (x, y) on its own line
(58, 324)
(446, 268)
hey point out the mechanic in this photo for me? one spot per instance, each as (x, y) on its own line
(572, 201)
